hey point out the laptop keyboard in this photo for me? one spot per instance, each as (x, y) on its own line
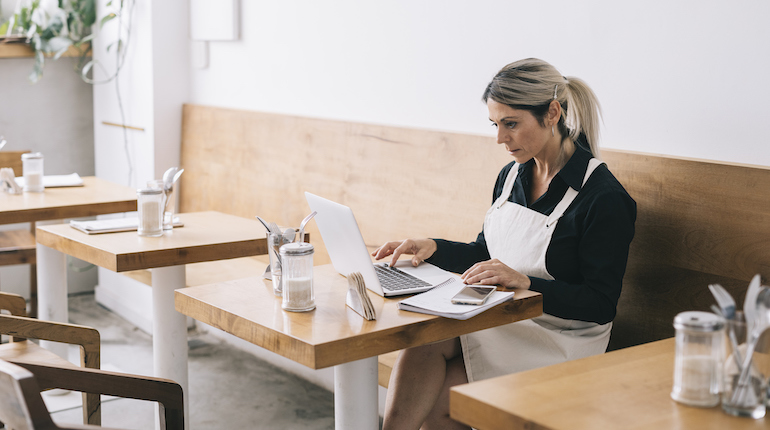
(393, 279)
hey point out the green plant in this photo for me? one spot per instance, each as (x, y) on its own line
(51, 27)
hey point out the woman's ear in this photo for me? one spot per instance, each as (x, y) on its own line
(554, 112)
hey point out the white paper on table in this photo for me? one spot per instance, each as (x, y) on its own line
(113, 225)
(438, 301)
(55, 181)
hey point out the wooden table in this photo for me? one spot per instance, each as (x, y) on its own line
(333, 334)
(625, 389)
(95, 197)
(206, 236)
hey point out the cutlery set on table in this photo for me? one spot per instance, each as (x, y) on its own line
(745, 384)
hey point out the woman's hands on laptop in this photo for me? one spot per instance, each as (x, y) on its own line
(421, 249)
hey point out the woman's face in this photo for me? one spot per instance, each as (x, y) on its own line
(518, 130)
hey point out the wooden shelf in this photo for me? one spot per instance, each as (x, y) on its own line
(22, 50)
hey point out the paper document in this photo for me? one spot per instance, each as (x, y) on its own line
(438, 301)
(54, 181)
(113, 225)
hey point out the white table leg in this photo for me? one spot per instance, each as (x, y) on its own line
(355, 395)
(169, 330)
(52, 292)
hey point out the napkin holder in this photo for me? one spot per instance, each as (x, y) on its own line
(358, 299)
(8, 181)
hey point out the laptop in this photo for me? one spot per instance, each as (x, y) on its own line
(347, 250)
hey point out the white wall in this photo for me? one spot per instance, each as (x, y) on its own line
(152, 85)
(685, 77)
(55, 117)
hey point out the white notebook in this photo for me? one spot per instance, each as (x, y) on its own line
(438, 301)
(55, 181)
(113, 225)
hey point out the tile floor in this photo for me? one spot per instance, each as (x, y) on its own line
(229, 388)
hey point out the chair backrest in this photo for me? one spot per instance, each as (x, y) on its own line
(16, 305)
(21, 406)
(13, 303)
(12, 159)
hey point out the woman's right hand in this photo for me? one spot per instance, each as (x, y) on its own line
(420, 248)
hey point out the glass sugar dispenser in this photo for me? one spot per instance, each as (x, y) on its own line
(32, 166)
(699, 356)
(297, 277)
(150, 206)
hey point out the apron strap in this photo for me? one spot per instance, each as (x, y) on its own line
(508, 186)
(570, 195)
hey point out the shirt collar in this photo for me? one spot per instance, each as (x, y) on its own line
(573, 172)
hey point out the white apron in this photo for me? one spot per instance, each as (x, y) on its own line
(519, 237)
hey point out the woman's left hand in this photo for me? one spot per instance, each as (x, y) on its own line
(494, 272)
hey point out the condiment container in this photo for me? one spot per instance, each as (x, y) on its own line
(32, 164)
(699, 357)
(150, 205)
(297, 277)
(274, 241)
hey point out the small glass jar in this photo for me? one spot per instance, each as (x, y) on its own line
(297, 277)
(32, 164)
(150, 205)
(699, 357)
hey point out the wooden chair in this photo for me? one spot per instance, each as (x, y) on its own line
(22, 407)
(18, 246)
(20, 327)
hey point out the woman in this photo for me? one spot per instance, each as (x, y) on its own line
(560, 224)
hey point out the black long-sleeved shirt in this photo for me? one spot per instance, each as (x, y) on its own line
(589, 248)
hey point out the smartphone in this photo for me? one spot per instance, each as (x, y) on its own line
(473, 295)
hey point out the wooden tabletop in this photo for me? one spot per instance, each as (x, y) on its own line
(625, 389)
(332, 334)
(206, 236)
(95, 197)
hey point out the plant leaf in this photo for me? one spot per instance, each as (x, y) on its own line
(109, 17)
(37, 71)
(87, 68)
(85, 39)
(59, 45)
(87, 12)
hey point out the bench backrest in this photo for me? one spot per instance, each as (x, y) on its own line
(12, 159)
(699, 222)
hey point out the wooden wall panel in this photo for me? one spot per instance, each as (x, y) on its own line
(699, 222)
(399, 182)
(12, 159)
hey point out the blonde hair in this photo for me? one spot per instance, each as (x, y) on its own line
(532, 84)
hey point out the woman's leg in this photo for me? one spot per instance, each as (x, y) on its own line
(439, 416)
(419, 377)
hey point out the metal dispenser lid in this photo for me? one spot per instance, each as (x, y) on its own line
(698, 321)
(297, 249)
(149, 191)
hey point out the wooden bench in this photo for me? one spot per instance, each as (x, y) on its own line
(18, 246)
(699, 222)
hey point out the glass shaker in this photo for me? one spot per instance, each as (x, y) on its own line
(699, 357)
(297, 277)
(150, 205)
(32, 164)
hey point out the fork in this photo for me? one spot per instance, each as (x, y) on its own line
(724, 300)
(727, 306)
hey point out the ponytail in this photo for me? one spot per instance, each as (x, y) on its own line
(582, 113)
